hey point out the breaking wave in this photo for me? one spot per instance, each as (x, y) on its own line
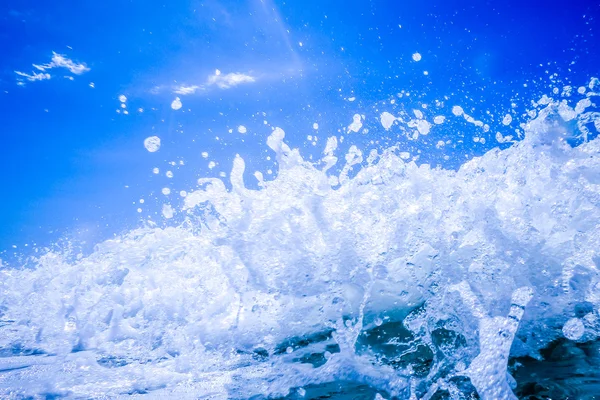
(399, 281)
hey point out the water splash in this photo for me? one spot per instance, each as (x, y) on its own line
(402, 280)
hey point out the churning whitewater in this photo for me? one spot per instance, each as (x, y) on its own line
(398, 281)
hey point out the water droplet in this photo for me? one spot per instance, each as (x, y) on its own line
(152, 143)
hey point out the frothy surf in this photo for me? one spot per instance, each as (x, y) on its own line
(400, 281)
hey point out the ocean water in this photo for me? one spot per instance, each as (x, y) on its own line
(384, 279)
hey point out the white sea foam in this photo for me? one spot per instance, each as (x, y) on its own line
(492, 253)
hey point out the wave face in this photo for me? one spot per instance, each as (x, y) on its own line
(400, 281)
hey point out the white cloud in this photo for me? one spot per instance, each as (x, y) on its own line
(219, 80)
(184, 90)
(57, 61)
(60, 61)
(229, 80)
(36, 76)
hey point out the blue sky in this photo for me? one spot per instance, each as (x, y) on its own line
(72, 165)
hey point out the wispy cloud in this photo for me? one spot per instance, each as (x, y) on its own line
(229, 80)
(36, 76)
(222, 81)
(57, 61)
(60, 61)
(184, 90)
